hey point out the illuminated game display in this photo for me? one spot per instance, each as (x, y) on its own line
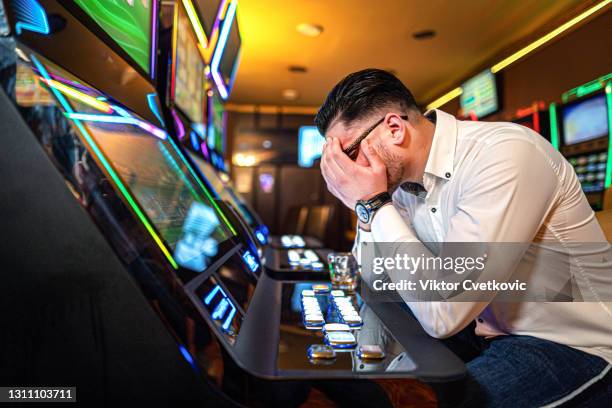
(585, 120)
(480, 95)
(128, 22)
(310, 145)
(152, 171)
(170, 197)
(188, 71)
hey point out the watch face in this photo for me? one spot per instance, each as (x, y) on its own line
(362, 213)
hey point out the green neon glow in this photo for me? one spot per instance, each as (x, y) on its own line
(608, 181)
(554, 126)
(129, 25)
(108, 167)
(208, 195)
(585, 89)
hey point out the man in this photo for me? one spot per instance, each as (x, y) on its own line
(455, 181)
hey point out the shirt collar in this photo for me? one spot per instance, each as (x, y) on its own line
(440, 162)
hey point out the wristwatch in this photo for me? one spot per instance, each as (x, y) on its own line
(365, 209)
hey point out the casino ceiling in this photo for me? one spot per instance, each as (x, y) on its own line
(359, 34)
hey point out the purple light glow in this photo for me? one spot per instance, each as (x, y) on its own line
(179, 125)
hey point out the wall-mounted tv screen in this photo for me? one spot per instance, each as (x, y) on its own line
(310, 145)
(479, 95)
(585, 120)
(216, 124)
(127, 22)
(189, 94)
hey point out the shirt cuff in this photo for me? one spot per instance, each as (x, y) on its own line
(389, 226)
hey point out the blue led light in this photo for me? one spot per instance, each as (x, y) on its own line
(260, 237)
(228, 319)
(220, 309)
(30, 16)
(212, 294)
(186, 354)
(195, 142)
(250, 261)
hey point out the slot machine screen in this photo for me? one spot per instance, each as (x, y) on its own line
(585, 120)
(158, 184)
(128, 23)
(310, 145)
(189, 94)
(169, 195)
(480, 95)
(216, 124)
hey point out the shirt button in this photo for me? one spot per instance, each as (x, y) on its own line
(480, 320)
(447, 175)
(433, 210)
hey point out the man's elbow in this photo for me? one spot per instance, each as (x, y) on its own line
(440, 329)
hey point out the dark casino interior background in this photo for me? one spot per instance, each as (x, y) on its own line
(162, 202)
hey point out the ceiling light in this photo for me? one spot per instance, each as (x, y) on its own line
(298, 69)
(244, 160)
(424, 34)
(290, 94)
(309, 29)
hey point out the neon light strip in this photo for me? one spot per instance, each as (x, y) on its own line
(214, 35)
(78, 95)
(195, 176)
(154, 22)
(195, 23)
(179, 125)
(449, 96)
(608, 181)
(107, 166)
(543, 40)
(536, 120)
(86, 117)
(154, 108)
(526, 50)
(33, 11)
(220, 49)
(554, 126)
(587, 88)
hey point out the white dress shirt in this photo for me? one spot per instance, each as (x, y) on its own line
(498, 182)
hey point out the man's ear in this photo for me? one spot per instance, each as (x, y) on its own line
(396, 127)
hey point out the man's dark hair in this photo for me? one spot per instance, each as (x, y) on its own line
(362, 93)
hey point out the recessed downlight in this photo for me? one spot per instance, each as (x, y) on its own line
(290, 94)
(298, 69)
(424, 34)
(309, 29)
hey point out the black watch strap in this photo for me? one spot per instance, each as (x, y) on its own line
(378, 201)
